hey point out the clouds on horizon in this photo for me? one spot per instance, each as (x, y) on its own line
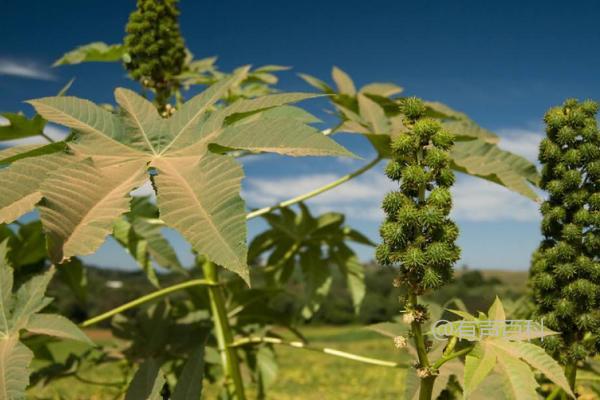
(25, 69)
(525, 142)
(475, 200)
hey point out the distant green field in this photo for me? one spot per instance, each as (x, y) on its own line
(302, 375)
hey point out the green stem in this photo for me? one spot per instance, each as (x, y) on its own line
(144, 299)
(426, 389)
(229, 357)
(444, 359)
(324, 350)
(419, 338)
(306, 196)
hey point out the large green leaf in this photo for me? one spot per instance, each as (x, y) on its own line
(96, 51)
(496, 348)
(520, 382)
(15, 358)
(377, 115)
(297, 239)
(19, 311)
(81, 202)
(21, 183)
(197, 190)
(297, 138)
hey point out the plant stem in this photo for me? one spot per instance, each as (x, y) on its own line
(144, 299)
(229, 357)
(306, 196)
(451, 356)
(325, 350)
(426, 389)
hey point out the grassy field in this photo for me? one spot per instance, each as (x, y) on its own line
(302, 375)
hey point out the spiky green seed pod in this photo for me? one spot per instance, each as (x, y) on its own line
(155, 46)
(565, 272)
(418, 236)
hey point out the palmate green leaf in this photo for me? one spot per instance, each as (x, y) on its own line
(19, 126)
(282, 135)
(298, 238)
(378, 117)
(202, 201)
(197, 190)
(19, 311)
(520, 381)
(92, 52)
(21, 183)
(537, 358)
(15, 358)
(81, 202)
(509, 354)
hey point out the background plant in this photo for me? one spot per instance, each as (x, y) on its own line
(565, 269)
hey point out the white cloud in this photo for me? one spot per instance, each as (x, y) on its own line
(474, 199)
(52, 131)
(524, 142)
(145, 190)
(478, 200)
(25, 69)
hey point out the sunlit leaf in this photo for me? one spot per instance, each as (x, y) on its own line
(96, 51)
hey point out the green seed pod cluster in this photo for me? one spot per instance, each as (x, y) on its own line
(155, 46)
(418, 237)
(565, 272)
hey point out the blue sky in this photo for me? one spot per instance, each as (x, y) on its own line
(503, 63)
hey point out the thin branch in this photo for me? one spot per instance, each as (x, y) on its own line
(306, 196)
(325, 350)
(452, 356)
(144, 299)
